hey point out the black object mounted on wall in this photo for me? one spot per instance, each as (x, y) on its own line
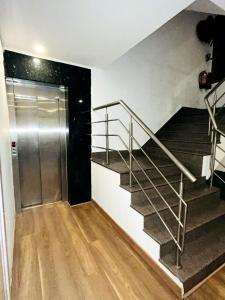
(212, 31)
(78, 82)
(205, 80)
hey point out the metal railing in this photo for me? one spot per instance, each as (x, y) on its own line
(215, 108)
(181, 216)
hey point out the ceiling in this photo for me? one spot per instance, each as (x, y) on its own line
(207, 7)
(90, 33)
(85, 32)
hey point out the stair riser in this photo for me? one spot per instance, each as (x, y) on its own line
(191, 161)
(139, 196)
(200, 205)
(153, 174)
(210, 202)
(210, 268)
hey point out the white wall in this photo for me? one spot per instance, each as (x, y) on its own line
(115, 201)
(6, 166)
(156, 77)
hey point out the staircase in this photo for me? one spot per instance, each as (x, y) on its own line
(185, 135)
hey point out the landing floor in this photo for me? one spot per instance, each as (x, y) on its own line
(65, 253)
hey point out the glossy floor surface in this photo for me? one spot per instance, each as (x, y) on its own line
(65, 253)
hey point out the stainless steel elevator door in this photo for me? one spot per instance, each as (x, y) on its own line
(26, 111)
(50, 152)
(39, 129)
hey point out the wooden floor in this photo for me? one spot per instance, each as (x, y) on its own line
(65, 253)
(212, 289)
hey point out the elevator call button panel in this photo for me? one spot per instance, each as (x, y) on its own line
(14, 148)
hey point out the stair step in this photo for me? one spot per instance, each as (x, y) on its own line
(186, 136)
(196, 118)
(192, 161)
(117, 164)
(186, 146)
(202, 255)
(165, 190)
(160, 182)
(193, 111)
(182, 135)
(191, 127)
(145, 208)
(159, 233)
(167, 169)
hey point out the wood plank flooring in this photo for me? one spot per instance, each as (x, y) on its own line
(75, 253)
(65, 253)
(212, 289)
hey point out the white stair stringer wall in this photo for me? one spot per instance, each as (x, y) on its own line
(116, 201)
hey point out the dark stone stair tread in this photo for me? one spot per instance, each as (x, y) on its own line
(186, 136)
(197, 143)
(185, 146)
(161, 235)
(181, 135)
(188, 151)
(201, 256)
(147, 185)
(197, 128)
(117, 165)
(146, 209)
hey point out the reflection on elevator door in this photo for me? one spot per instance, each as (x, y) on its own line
(39, 129)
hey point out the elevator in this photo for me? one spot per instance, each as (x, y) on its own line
(39, 132)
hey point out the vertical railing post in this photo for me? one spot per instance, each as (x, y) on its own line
(213, 156)
(181, 192)
(107, 136)
(130, 152)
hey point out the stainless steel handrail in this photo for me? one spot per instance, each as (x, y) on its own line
(182, 168)
(182, 206)
(213, 127)
(148, 158)
(151, 182)
(183, 225)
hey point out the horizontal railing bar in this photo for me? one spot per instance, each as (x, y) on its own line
(171, 234)
(114, 103)
(158, 192)
(103, 121)
(116, 135)
(151, 161)
(101, 134)
(182, 168)
(153, 185)
(149, 178)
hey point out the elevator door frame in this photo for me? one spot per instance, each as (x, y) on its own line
(63, 137)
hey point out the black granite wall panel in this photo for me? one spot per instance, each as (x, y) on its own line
(78, 82)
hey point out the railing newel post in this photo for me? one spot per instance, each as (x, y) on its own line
(131, 152)
(179, 230)
(107, 136)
